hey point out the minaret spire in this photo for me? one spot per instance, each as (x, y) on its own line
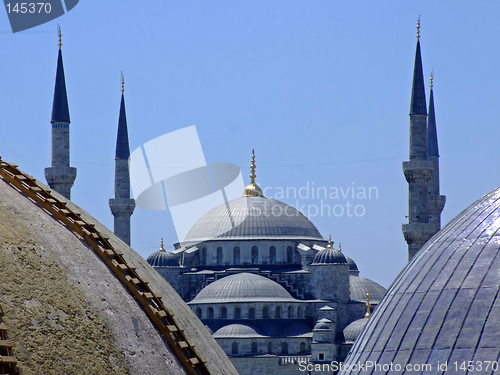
(252, 190)
(60, 176)
(122, 206)
(418, 170)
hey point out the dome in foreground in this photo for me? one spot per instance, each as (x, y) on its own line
(444, 306)
(243, 287)
(257, 218)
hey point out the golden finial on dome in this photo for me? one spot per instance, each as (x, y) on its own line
(60, 35)
(432, 79)
(340, 246)
(368, 312)
(418, 28)
(123, 83)
(330, 243)
(161, 246)
(252, 190)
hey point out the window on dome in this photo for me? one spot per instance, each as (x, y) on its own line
(302, 347)
(255, 255)
(290, 312)
(265, 313)
(203, 257)
(289, 255)
(272, 255)
(278, 312)
(199, 313)
(237, 313)
(284, 348)
(234, 348)
(299, 312)
(223, 313)
(251, 313)
(210, 313)
(236, 256)
(219, 256)
(254, 347)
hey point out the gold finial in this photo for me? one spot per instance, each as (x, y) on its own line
(418, 28)
(60, 35)
(340, 246)
(330, 243)
(252, 190)
(432, 79)
(123, 83)
(368, 312)
(161, 246)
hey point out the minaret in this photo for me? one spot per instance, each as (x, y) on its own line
(418, 170)
(60, 176)
(122, 206)
(436, 201)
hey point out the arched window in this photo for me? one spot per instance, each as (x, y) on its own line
(254, 347)
(223, 313)
(299, 312)
(277, 315)
(236, 256)
(251, 313)
(199, 313)
(272, 255)
(265, 312)
(219, 256)
(302, 347)
(255, 255)
(289, 255)
(284, 348)
(210, 313)
(269, 347)
(234, 348)
(237, 313)
(290, 312)
(203, 257)
(196, 260)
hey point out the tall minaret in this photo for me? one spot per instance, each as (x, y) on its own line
(60, 176)
(418, 170)
(436, 201)
(122, 206)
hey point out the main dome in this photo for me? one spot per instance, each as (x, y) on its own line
(256, 218)
(243, 287)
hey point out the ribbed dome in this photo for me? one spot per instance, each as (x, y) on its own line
(329, 256)
(353, 330)
(163, 259)
(253, 218)
(243, 287)
(236, 331)
(358, 286)
(444, 306)
(323, 324)
(353, 267)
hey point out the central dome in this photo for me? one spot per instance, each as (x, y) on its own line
(248, 218)
(243, 287)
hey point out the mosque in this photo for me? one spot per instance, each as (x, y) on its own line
(272, 292)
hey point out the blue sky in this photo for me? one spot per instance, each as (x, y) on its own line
(320, 90)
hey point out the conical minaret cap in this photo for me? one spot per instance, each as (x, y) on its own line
(432, 140)
(418, 105)
(252, 190)
(60, 108)
(122, 145)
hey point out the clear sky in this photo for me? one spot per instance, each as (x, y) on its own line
(320, 89)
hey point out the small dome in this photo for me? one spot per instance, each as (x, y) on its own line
(353, 330)
(359, 286)
(243, 287)
(163, 258)
(353, 267)
(236, 331)
(329, 255)
(323, 324)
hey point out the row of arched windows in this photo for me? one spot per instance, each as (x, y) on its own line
(278, 313)
(254, 348)
(237, 255)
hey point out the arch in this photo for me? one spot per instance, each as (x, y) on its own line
(234, 348)
(236, 255)
(254, 347)
(223, 313)
(298, 258)
(265, 312)
(251, 313)
(270, 347)
(277, 314)
(203, 260)
(237, 313)
(199, 313)
(255, 255)
(272, 255)
(196, 260)
(299, 312)
(219, 256)
(289, 255)
(302, 347)
(210, 312)
(284, 348)
(290, 312)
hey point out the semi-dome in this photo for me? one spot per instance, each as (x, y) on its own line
(444, 306)
(163, 258)
(354, 329)
(243, 287)
(236, 331)
(253, 218)
(359, 286)
(329, 255)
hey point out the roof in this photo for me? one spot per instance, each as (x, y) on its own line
(323, 324)
(225, 328)
(237, 331)
(354, 329)
(329, 256)
(444, 306)
(253, 218)
(60, 109)
(359, 286)
(243, 287)
(418, 105)
(163, 258)
(122, 146)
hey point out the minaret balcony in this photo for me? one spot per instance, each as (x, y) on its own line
(417, 171)
(419, 232)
